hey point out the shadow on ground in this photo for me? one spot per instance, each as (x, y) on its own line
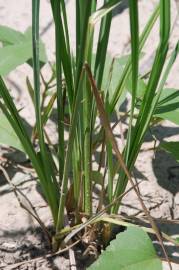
(165, 168)
(119, 9)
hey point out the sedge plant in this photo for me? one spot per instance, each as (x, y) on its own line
(68, 184)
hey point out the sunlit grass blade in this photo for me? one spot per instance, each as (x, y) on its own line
(104, 10)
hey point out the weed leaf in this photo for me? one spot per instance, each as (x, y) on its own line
(17, 49)
(9, 35)
(131, 250)
(7, 134)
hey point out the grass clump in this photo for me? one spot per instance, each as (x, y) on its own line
(66, 171)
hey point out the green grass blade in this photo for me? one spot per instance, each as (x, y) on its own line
(102, 48)
(142, 121)
(64, 49)
(60, 105)
(72, 133)
(134, 29)
(87, 103)
(14, 119)
(50, 178)
(127, 70)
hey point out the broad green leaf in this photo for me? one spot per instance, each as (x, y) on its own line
(172, 148)
(7, 134)
(112, 71)
(172, 116)
(9, 35)
(28, 33)
(17, 49)
(125, 58)
(140, 89)
(131, 250)
(12, 56)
